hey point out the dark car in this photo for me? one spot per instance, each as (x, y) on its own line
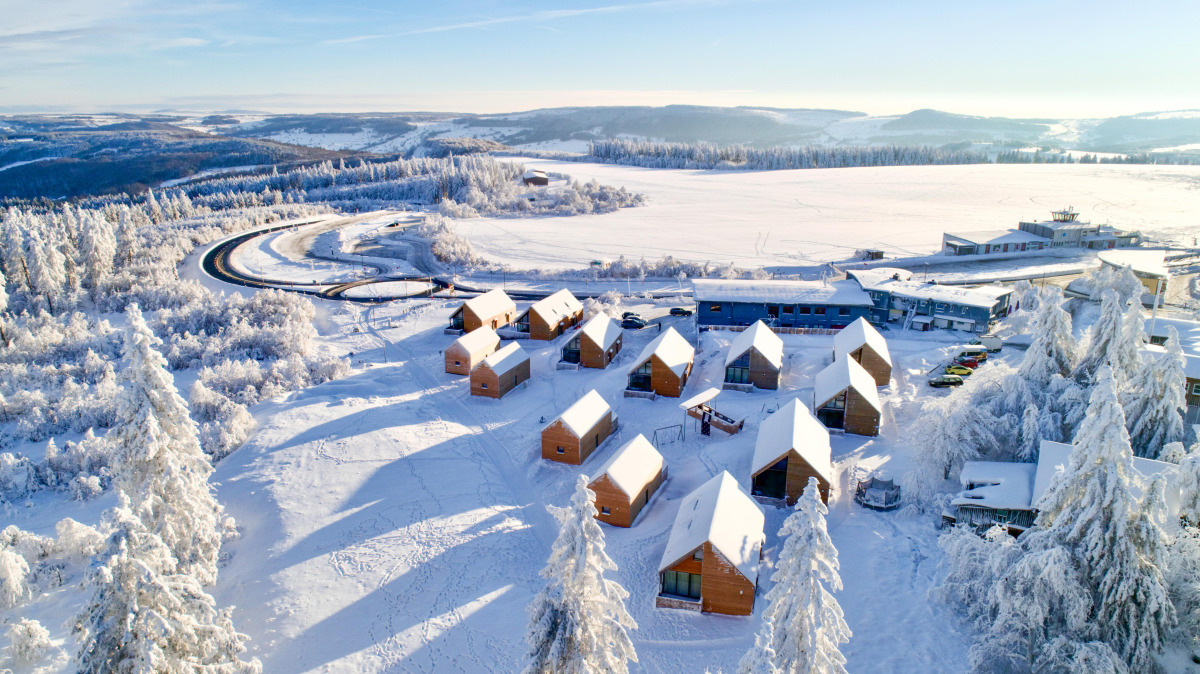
(630, 314)
(633, 323)
(680, 311)
(946, 380)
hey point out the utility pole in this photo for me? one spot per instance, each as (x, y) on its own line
(1154, 314)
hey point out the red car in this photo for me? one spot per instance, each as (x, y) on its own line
(967, 361)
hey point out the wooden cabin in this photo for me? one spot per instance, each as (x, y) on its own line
(845, 398)
(549, 317)
(584, 426)
(596, 344)
(711, 562)
(792, 446)
(467, 351)
(500, 372)
(863, 343)
(494, 309)
(625, 483)
(663, 366)
(755, 359)
(535, 177)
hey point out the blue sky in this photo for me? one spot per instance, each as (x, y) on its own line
(1013, 58)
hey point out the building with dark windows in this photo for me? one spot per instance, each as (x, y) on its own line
(780, 304)
(925, 305)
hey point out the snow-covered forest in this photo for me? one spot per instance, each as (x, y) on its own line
(708, 156)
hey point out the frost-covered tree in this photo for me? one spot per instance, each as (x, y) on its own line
(46, 267)
(1118, 545)
(1067, 656)
(14, 578)
(158, 459)
(578, 622)
(3, 306)
(142, 615)
(1189, 487)
(1053, 349)
(29, 641)
(1111, 341)
(803, 625)
(97, 247)
(1031, 434)
(1157, 400)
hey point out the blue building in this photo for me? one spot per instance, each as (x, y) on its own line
(896, 298)
(780, 304)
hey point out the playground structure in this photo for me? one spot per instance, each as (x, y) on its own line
(698, 407)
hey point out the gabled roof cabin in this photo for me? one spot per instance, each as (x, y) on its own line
(845, 398)
(500, 372)
(791, 447)
(596, 344)
(467, 351)
(755, 358)
(494, 309)
(550, 317)
(663, 366)
(574, 435)
(711, 561)
(860, 341)
(625, 483)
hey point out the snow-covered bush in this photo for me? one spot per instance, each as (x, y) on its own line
(224, 424)
(14, 581)
(28, 640)
(608, 303)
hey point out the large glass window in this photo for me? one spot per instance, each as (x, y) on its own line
(738, 372)
(820, 311)
(681, 584)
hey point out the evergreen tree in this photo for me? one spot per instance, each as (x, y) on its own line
(98, 246)
(1031, 435)
(1156, 403)
(3, 306)
(144, 616)
(1111, 341)
(803, 626)
(578, 622)
(46, 269)
(1053, 349)
(158, 458)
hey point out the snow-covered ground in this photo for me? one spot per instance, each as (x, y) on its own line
(783, 219)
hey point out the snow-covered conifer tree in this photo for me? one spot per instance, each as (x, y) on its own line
(1031, 434)
(1064, 655)
(1127, 285)
(1156, 403)
(803, 626)
(3, 306)
(158, 458)
(1189, 488)
(578, 622)
(144, 616)
(1117, 544)
(1053, 349)
(97, 247)
(1111, 341)
(46, 268)
(29, 641)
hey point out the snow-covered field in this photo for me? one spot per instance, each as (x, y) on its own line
(392, 522)
(783, 219)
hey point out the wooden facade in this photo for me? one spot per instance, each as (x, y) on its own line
(491, 382)
(560, 444)
(875, 365)
(467, 351)
(724, 589)
(761, 372)
(617, 508)
(594, 355)
(664, 382)
(858, 416)
(552, 316)
(796, 471)
(493, 309)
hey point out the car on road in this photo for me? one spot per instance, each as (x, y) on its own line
(945, 380)
(967, 361)
(680, 311)
(959, 370)
(633, 323)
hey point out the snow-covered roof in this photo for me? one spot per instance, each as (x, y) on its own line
(998, 484)
(700, 398)
(868, 279)
(793, 427)
(1189, 331)
(843, 293)
(478, 339)
(719, 512)
(1191, 363)
(556, 307)
(602, 330)
(534, 173)
(760, 338)
(857, 334)
(1053, 456)
(505, 359)
(1142, 262)
(671, 348)
(842, 374)
(491, 303)
(997, 236)
(981, 296)
(580, 417)
(632, 466)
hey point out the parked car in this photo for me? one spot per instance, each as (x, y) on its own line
(633, 323)
(958, 369)
(630, 314)
(992, 344)
(977, 352)
(967, 361)
(680, 311)
(942, 381)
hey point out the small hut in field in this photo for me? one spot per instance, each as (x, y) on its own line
(596, 344)
(573, 436)
(663, 366)
(500, 372)
(535, 178)
(494, 309)
(791, 447)
(550, 317)
(863, 343)
(467, 351)
(755, 358)
(625, 483)
(845, 398)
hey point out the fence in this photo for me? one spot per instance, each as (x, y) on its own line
(776, 330)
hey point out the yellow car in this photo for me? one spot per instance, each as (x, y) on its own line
(962, 370)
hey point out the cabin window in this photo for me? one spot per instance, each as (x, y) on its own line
(681, 584)
(1196, 389)
(772, 482)
(485, 387)
(804, 311)
(604, 510)
(773, 312)
(698, 555)
(1158, 340)
(843, 311)
(787, 310)
(457, 363)
(560, 450)
(820, 311)
(714, 308)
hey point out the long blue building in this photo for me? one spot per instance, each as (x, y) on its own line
(780, 304)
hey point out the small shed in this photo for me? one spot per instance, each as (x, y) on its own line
(845, 398)
(863, 343)
(699, 407)
(663, 366)
(574, 435)
(467, 351)
(596, 344)
(500, 372)
(549, 317)
(625, 483)
(712, 557)
(791, 447)
(494, 309)
(535, 177)
(755, 358)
